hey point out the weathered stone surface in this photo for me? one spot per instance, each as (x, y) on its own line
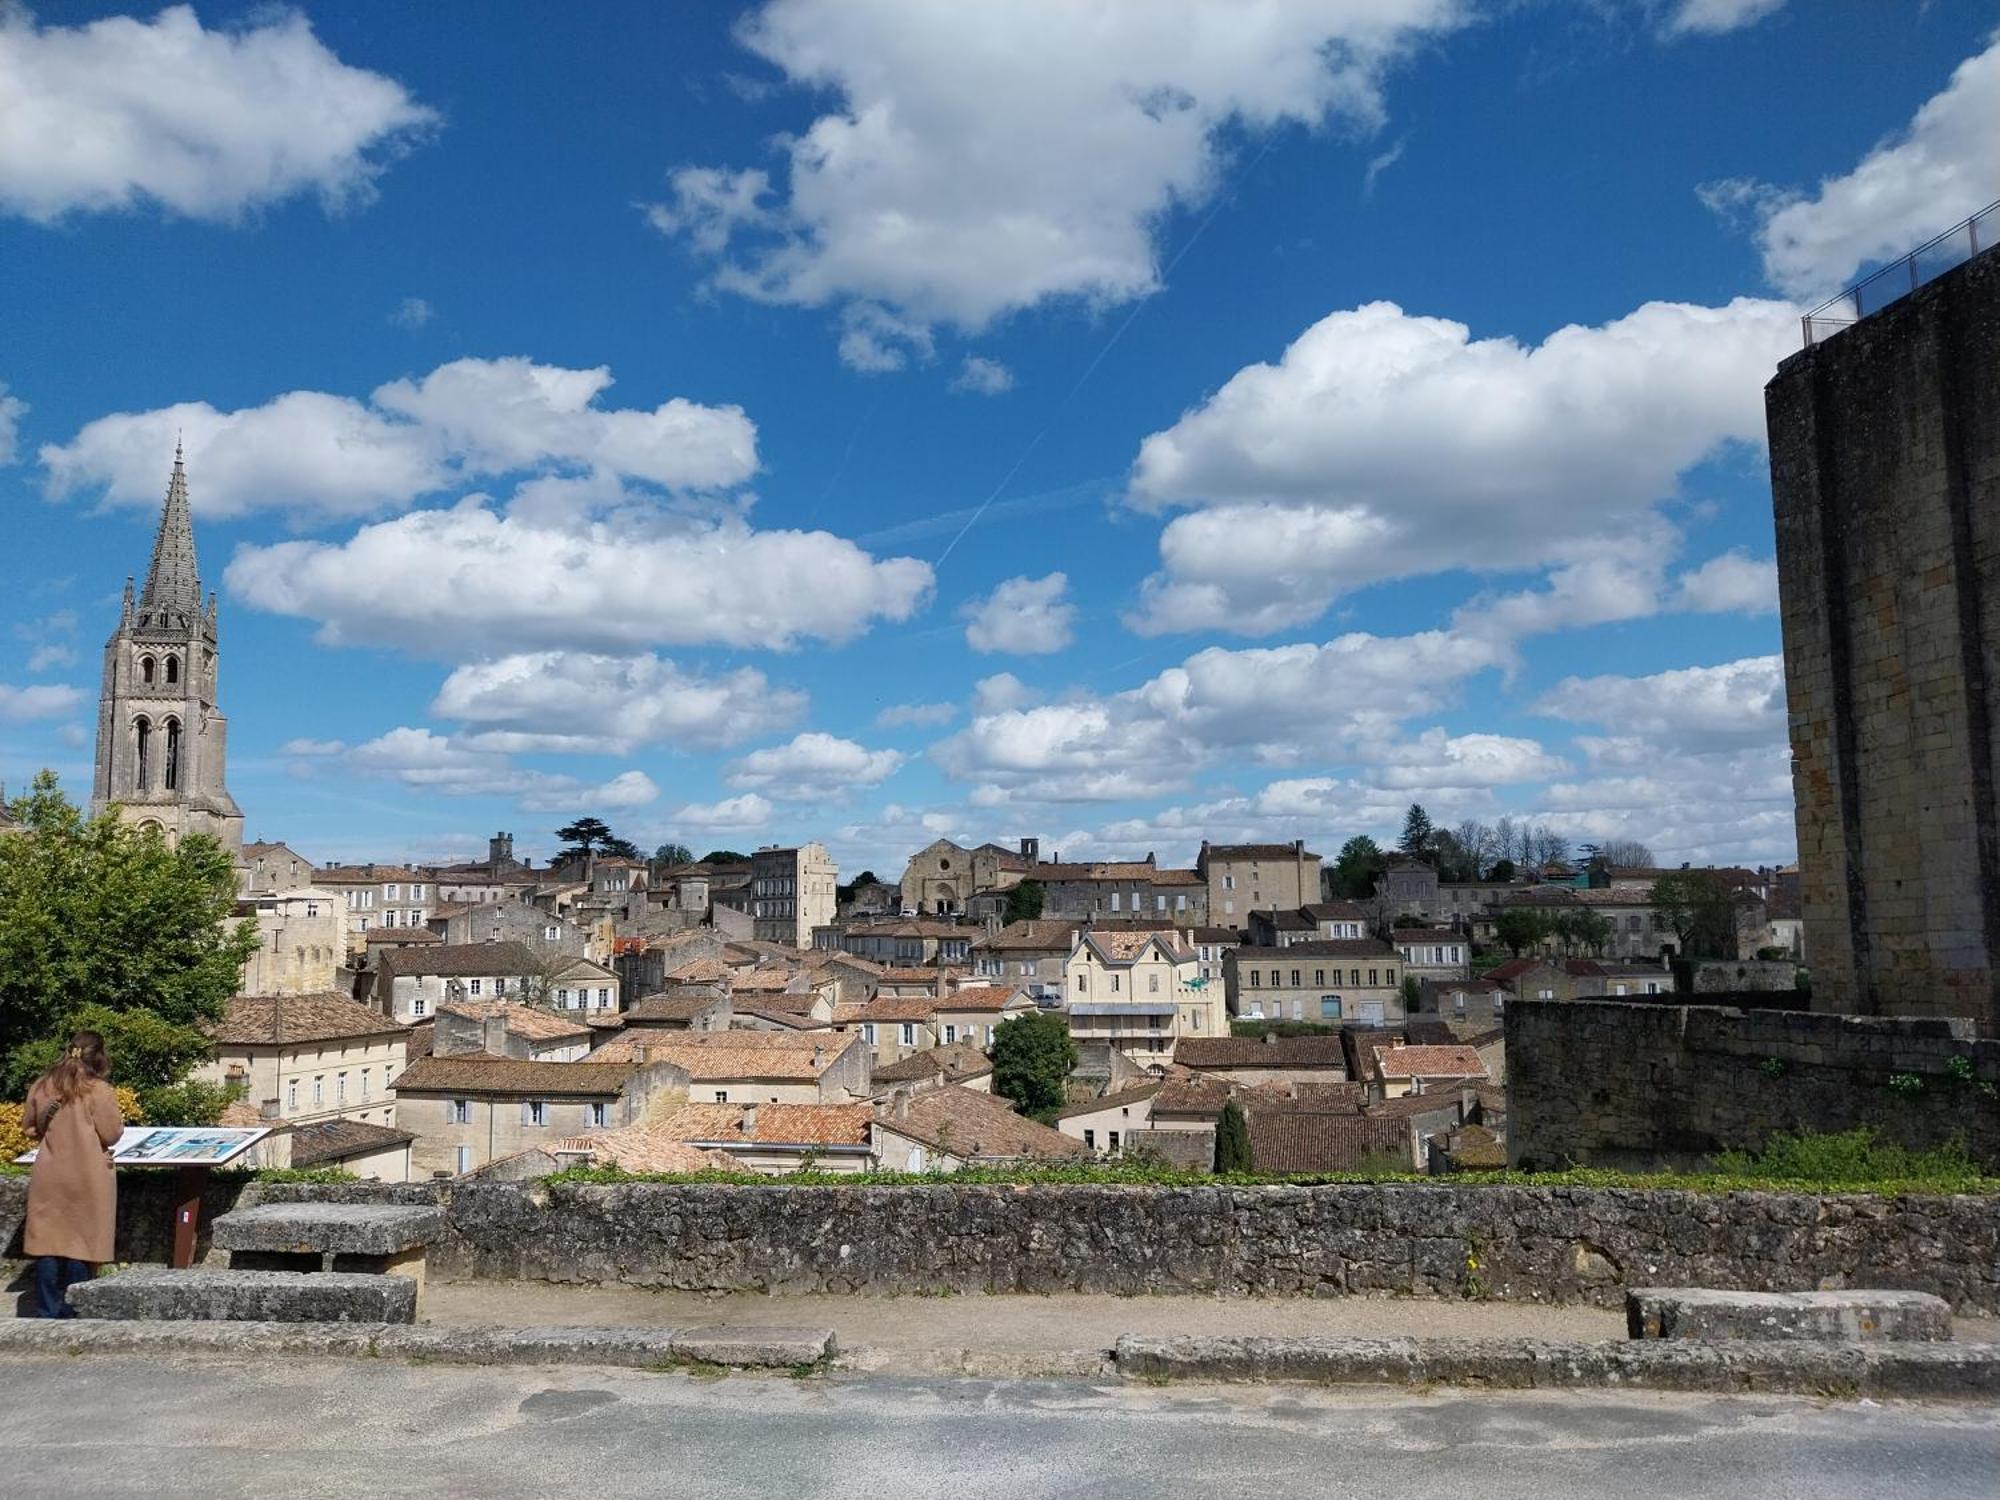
(382, 1229)
(1935, 1371)
(753, 1347)
(154, 1293)
(1697, 1313)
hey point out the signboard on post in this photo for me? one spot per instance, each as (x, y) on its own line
(179, 1145)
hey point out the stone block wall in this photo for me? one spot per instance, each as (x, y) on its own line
(1885, 474)
(1429, 1240)
(1616, 1083)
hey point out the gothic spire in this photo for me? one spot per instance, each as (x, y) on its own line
(173, 584)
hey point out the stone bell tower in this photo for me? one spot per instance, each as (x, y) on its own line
(161, 744)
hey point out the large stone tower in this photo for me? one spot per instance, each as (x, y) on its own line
(161, 744)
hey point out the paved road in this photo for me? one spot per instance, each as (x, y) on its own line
(114, 1426)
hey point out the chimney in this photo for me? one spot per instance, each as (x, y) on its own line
(1270, 1039)
(493, 1036)
(819, 1056)
(1299, 848)
(268, 1110)
(900, 1109)
(750, 1118)
(643, 1053)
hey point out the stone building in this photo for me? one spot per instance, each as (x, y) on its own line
(1118, 888)
(1138, 992)
(792, 892)
(468, 1111)
(1885, 474)
(300, 948)
(271, 867)
(943, 877)
(1334, 980)
(162, 744)
(306, 1059)
(1242, 878)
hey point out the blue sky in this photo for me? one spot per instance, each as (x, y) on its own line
(685, 416)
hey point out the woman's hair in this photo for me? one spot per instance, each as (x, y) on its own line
(83, 1064)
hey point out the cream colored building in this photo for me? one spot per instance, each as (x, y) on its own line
(742, 1067)
(1139, 991)
(468, 1111)
(941, 878)
(270, 867)
(1335, 980)
(791, 893)
(300, 946)
(1243, 878)
(305, 1059)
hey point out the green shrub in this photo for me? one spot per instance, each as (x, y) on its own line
(1851, 1157)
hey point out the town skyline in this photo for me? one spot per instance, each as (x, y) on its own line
(823, 548)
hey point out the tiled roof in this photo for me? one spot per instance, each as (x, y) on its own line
(713, 1055)
(1137, 1093)
(1429, 1062)
(790, 1017)
(1127, 947)
(909, 928)
(1125, 872)
(1321, 948)
(1218, 936)
(700, 971)
(769, 1124)
(954, 1063)
(281, 1020)
(672, 1007)
(481, 1074)
(1192, 1095)
(1514, 968)
(933, 977)
(465, 960)
(1413, 1104)
(852, 961)
(366, 875)
(973, 1126)
(1337, 911)
(1044, 934)
(528, 1021)
(641, 1148)
(1260, 1052)
(771, 981)
(400, 935)
(1257, 851)
(1310, 1141)
(417, 1042)
(1403, 935)
(336, 1140)
(982, 997)
(891, 1009)
(1342, 1098)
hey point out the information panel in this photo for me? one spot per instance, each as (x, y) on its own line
(180, 1145)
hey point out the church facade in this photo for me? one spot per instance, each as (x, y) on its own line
(162, 745)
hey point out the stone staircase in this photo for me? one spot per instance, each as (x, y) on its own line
(288, 1263)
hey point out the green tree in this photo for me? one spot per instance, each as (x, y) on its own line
(1232, 1139)
(619, 848)
(1697, 909)
(725, 857)
(1356, 869)
(1502, 869)
(1413, 994)
(1032, 1059)
(1418, 835)
(584, 836)
(1520, 928)
(1025, 901)
(105, 925)
(669, 855)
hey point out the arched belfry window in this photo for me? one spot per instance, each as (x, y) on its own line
(146, 670)
(173, 761)
(173, 670)
(142, 748)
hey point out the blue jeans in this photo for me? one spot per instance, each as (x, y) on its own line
(54, 1276)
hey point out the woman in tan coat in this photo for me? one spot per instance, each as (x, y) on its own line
(73, 1193)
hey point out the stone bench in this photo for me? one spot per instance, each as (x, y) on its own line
(155, 1293)
(1698, 1313)
(371, 1238)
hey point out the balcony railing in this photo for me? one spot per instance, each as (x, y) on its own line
(1899, 278)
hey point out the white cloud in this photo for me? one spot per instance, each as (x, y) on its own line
(1000, 692)
(1733, 583)
(208, 124)
(12, 409)
(1686, 710)
(1713, 17)
(1023, 617)
(312, 747)
(413, 313)
(903, 715)
(41, 658)
(580, 700)
(1937, 170)
(746, 811)
(1384, 445)
(983, 377)
(814, 767)
(314, 452)
(628, 789)
(469, 581)
(37, 701)
(1437, 759)
(987, 156)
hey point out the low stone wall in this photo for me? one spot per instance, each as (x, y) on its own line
(1618, 1083)
(1430, 1240)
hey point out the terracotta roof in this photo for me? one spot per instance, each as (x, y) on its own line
(892, 1009)
(712, 1055)
(1475, 1148)
(983, 997)
(1123, 872)
(464, 960)
(529, 1021)
(1124, 947)
(1044, 934)
(1514, 968)
(1428, 1062)
(782, 1015)
(974, 1126)
(769, 1124)
(241, 1113)
(1261, 1052)
(1223, 936)
(1337, 911)
(336, 1140)
(400, 935)
(281, 1020)
(480, 1074)
(1403, 935)
(417, 1042)
(1257, 851)
(641, 1148)
(1192, 1095)
(672, 1007)
(954, 1063)
(852, 961)
(367, 875)
(1320, 948)
(917, 976)
(1137, 1093)
(1308, 1141)
(700, 971)
(913, 928)
(1342, 1097)
(1412, 1104)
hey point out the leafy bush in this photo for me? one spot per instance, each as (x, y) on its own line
(15, 1140)
(1850, 1157)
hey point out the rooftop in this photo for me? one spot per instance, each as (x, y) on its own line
(712, 1055)
(1267, 1051)
(481, 1074)
(973, 1126)
(282, 1020)
(1321, 1141)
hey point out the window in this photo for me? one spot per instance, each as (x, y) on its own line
(416, 893)
(1082, 982)
(365, 1087)
(291, 1095)
(1254, 981)
(1329, 1007)
(1295, 979)
(909, 1034)
(1371, 977)
(1090, 1140)
(340, 1089)
(562, 998)
(868, 1032)
(420, 1007)
(464, 1160)
(1545, 994)
(1160, 903)
(1112, 1138)
(603, 996)
(722, 1096)
(1354, 977)
(989, 1036)
(499, 986)
(1180, 901)
(1152, 984)
(1319, 977)
(319, 1090)
(1229, 884)
(551, 933)
(146, 670)
(600, 1113)
(473, 986)
(1115, 980)
(392, 893)
(173, 670)
(535, 1112)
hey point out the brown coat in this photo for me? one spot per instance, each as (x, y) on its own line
(73, 1194)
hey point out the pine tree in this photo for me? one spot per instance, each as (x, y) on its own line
(1418, 835)
(1232, 1140)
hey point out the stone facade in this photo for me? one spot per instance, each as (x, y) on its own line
(942, 877)
(162, 744)
(300, 947)
(1627, 1084)
(1242, 878)
(1885, 473)
(792, 892)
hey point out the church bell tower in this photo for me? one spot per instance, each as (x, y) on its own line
(161, 744)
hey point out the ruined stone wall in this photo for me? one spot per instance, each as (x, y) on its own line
(1885, 474)
(1618, 1083)
(1434, 1240)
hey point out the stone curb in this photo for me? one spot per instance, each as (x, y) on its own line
(1794, 1367)
(638, 1348)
